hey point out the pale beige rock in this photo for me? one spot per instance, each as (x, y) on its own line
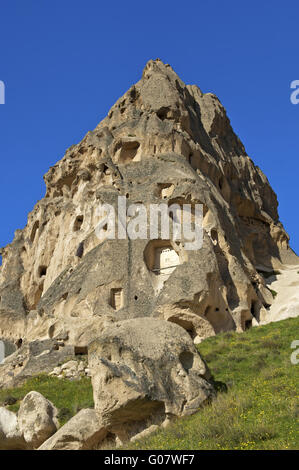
(163, 141)
(82, 432)
(10, 435)
(285, 283)
(71, 365)
(144, 369)
(37, 419)
(147, 432)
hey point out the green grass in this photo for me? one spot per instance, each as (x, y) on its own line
(260, 409)
(274, 293)
(68, 396)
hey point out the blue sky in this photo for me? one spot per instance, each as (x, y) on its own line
(64, 64)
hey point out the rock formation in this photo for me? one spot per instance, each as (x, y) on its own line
(163, 141)
(35, 422)
(146, 369)
(37, 419)
(10, 436)
(82, 432)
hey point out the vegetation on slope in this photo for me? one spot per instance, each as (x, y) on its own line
(69, 397)
(260, 408)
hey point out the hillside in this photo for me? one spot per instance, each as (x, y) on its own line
(156, 232)
(259, 410)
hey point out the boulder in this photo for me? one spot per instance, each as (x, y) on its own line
(82, 432)
(10, 436)
(37, 419)
(146, 370)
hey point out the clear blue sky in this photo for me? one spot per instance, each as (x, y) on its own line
(66, 62)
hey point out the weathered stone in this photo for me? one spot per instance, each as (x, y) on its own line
(31, 359)
(71, 365)
(163, 141)
(10, 436)
(37, 419)
(82, 432)
(145, 369)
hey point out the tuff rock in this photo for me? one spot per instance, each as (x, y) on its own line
(146, 369)
(82, 432)
(163, 141)
(137, 306)
(37, 419)
(11, 437)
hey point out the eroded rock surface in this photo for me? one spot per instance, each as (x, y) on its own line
(82, 432)
(146, 370)
(11, 437)
(33, 358)
(163, 141)
(37, 419)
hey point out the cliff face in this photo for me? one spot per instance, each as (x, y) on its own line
(163, 141)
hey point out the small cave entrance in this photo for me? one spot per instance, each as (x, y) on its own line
(116, 298)
(51, 331)
(163, 113)
(186, 359)
(42, 271)
(161, 258)
(127, 151)
(166, 260)
(164, 190)
(214, 236)
(81, 350)
(80, 250)
(78, 223)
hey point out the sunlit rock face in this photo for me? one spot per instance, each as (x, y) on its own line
(146, 369)
(2, 351)
(163, 141)
(6, 349)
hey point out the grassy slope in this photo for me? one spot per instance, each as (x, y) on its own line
(260, 409)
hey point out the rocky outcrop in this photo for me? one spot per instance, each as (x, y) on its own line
(34, 423)
(82, 432)
(33, 358)
(72, 370)
(284, 285)
(163, 141)
(37, 419)
(146, 370)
